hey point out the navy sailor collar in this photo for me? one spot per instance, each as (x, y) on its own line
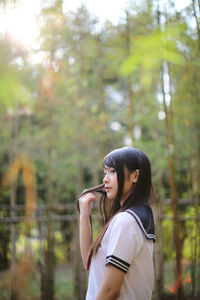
(144, 217)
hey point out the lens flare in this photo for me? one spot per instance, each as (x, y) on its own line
(181, 281)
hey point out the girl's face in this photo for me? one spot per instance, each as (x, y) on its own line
(111, 183)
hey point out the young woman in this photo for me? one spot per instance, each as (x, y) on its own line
(120, 261)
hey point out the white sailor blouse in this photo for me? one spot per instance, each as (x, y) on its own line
(128, 246)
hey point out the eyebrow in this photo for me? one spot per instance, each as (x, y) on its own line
(106, 168)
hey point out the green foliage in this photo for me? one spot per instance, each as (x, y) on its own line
(150, 50)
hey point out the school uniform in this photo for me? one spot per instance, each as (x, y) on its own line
(128, 246)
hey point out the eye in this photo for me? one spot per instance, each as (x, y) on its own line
(109, 171)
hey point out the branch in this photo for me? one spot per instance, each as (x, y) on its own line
(196, 19)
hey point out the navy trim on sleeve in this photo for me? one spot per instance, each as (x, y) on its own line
(117, 263)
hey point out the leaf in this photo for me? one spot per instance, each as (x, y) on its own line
(13, 93)
(150, 50)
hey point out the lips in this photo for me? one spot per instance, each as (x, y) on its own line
(107, 189)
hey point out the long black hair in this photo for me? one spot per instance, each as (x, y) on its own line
(133, 159)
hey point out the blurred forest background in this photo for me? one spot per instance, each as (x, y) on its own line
(84, 89)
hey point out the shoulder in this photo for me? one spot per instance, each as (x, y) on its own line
(123, 217)
(144, 216)
(124, 220)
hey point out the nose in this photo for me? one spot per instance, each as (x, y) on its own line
(105, 179)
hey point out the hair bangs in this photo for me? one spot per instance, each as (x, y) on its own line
(109, 161)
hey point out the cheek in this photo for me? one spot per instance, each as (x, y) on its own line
(115, 181)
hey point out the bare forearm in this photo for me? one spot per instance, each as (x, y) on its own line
(111, 284)
(85, 231)
(85, 237)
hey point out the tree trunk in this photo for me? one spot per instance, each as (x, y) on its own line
(158, 253)
(101, 97)
(169, 134)
(41, 261)
(13, 242)
(195, 185)
(172, 181)
(14, 133)
(48, 293)
(79, 273)
(158, 256)
(129, 84)
(196, 20)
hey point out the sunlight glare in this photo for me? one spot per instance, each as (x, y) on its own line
(20, 23)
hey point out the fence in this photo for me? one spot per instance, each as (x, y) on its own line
(50, 220)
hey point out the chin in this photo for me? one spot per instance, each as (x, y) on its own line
(111, 197)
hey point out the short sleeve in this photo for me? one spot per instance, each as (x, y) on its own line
(124, 241)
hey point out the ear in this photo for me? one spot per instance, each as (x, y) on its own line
(134, 176)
